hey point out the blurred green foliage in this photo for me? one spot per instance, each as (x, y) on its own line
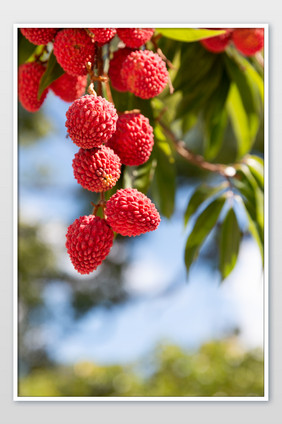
(219, 369)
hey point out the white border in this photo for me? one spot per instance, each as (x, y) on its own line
(264, 398)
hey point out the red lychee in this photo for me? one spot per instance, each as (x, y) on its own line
(218, 43)
(68, 87)
(73, 48)
(91, 121)
(248, 40)
(115, 67)
(28, 84)
(135, 37)
(96, 169)
(133, 140)
(103, 35)
(39, 36)
(144, 74)
(89, 241)
(131, 213)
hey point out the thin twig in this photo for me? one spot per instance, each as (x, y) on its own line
(198, 160)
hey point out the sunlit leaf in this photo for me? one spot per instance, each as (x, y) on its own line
(203, 226)
(200, 195)
(230, 236)
(189, 34)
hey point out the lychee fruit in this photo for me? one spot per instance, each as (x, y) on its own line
(103, 35)
(135, 37)
(131, 213)
(96, 169)
(73, 48)
(144, 74)
(89, 241)
(91, 121)
(39, 36)
(248, 40)
(218, 43)
(29, 77)
(68, 87)
(115, 67)
(133, 140)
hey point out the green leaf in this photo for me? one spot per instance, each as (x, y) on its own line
(203, 226)
(188, 76)
(230, 237)
(140, 177)
(253, 201)
(200, 195)
(244, 106)
(254, 229)
(256, 167)
(188, 34)
(53, 71)
(245, 125)
(195, 99)
(216, 119)
(164, 178)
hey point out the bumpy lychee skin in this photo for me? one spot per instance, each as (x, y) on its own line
(28, 84)
(133, 140)
(115, 67)
(248, 41)
(68, 87)
(39, 36)
(135, 37)
(96, 169)
(131, 213)
(91, 121)
(219, 43)
(103, 35)
(144, 74)
(89, 241)
(73, 48)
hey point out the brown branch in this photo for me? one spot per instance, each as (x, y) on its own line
(154, 41)
(195, 159)
(100, 68)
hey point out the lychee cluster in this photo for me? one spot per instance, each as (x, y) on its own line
(247, 41)
(106, 139)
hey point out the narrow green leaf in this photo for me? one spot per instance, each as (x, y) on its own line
(256, 167)
(200, 195)
(216, 118)
(140, 177)
(245, 125)
(230, 237)
(189, 34)
(254, 229)
(53, 71)
(203, 226)
(244, 105)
